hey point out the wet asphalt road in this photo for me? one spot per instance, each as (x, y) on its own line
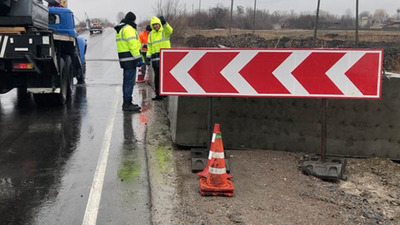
(80, 163)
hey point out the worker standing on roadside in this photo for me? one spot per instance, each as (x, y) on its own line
(128, 46)
(158, 38)
(144, 36)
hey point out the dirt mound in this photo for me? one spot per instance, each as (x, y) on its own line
(391, 50)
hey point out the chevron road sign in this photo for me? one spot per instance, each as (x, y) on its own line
(297, 73)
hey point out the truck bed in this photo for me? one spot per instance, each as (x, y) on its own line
(25, 13)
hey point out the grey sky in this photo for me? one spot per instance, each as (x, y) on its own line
(144, 9)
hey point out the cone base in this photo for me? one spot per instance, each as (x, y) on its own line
(207, 193)
(208, 189)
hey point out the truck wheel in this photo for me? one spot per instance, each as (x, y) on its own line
(81, 74)
(56, 98)
(69, 75)
(64, 83)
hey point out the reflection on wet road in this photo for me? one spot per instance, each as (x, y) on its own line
(49, 155)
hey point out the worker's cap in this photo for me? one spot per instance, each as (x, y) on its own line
(148, 28)
(130, 16)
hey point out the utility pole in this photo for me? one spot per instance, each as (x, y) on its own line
(254, 19)
(230, 27)
(316, 24)
(357, 24)
(199, 5)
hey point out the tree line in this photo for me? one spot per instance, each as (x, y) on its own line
(220, 17)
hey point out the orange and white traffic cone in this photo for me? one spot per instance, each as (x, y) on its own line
(217, 182)
(205, 172)
(140, 77)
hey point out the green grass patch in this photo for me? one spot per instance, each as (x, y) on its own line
(164, 155)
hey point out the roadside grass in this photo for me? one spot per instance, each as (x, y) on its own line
(164, 156)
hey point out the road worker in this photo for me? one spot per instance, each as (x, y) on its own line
(128, 46)
(143, 36)
(158, 38)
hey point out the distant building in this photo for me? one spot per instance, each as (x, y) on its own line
(364, 21)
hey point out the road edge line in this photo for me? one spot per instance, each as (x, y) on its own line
(93, 204)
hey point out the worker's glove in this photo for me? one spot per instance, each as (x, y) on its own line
(139, 63)
(144, 46)
(163, 21)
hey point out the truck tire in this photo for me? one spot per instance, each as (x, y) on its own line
(56, 98)
(70, 75)
(81, 74)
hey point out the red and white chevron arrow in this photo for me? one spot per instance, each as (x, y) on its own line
(300, 73)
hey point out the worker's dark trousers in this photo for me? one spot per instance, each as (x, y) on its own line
(128, 83)
(156, 68)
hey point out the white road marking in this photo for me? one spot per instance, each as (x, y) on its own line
(92, 207)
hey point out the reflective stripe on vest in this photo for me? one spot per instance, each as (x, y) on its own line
(126, 58)
(158, 41)
(122, 36)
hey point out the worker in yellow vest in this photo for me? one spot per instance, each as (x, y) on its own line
(128, 46)
(159, 37)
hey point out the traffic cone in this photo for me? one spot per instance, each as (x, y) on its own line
(217, 182)
(146, 76)
(205, 172)
(140, 77)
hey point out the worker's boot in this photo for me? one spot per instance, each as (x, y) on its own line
(128, 106)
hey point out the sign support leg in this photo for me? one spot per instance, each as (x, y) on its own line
(323, 130)
(322, 167)
(209, 124)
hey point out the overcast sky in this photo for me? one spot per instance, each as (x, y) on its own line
(144, 9)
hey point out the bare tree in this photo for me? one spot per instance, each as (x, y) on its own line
(174, 12)
(219, 17)
(380, 15)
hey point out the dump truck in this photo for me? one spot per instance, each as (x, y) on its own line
(40, 51)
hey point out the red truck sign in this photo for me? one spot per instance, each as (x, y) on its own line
(297, 73)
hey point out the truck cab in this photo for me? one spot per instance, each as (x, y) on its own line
(62, 20)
